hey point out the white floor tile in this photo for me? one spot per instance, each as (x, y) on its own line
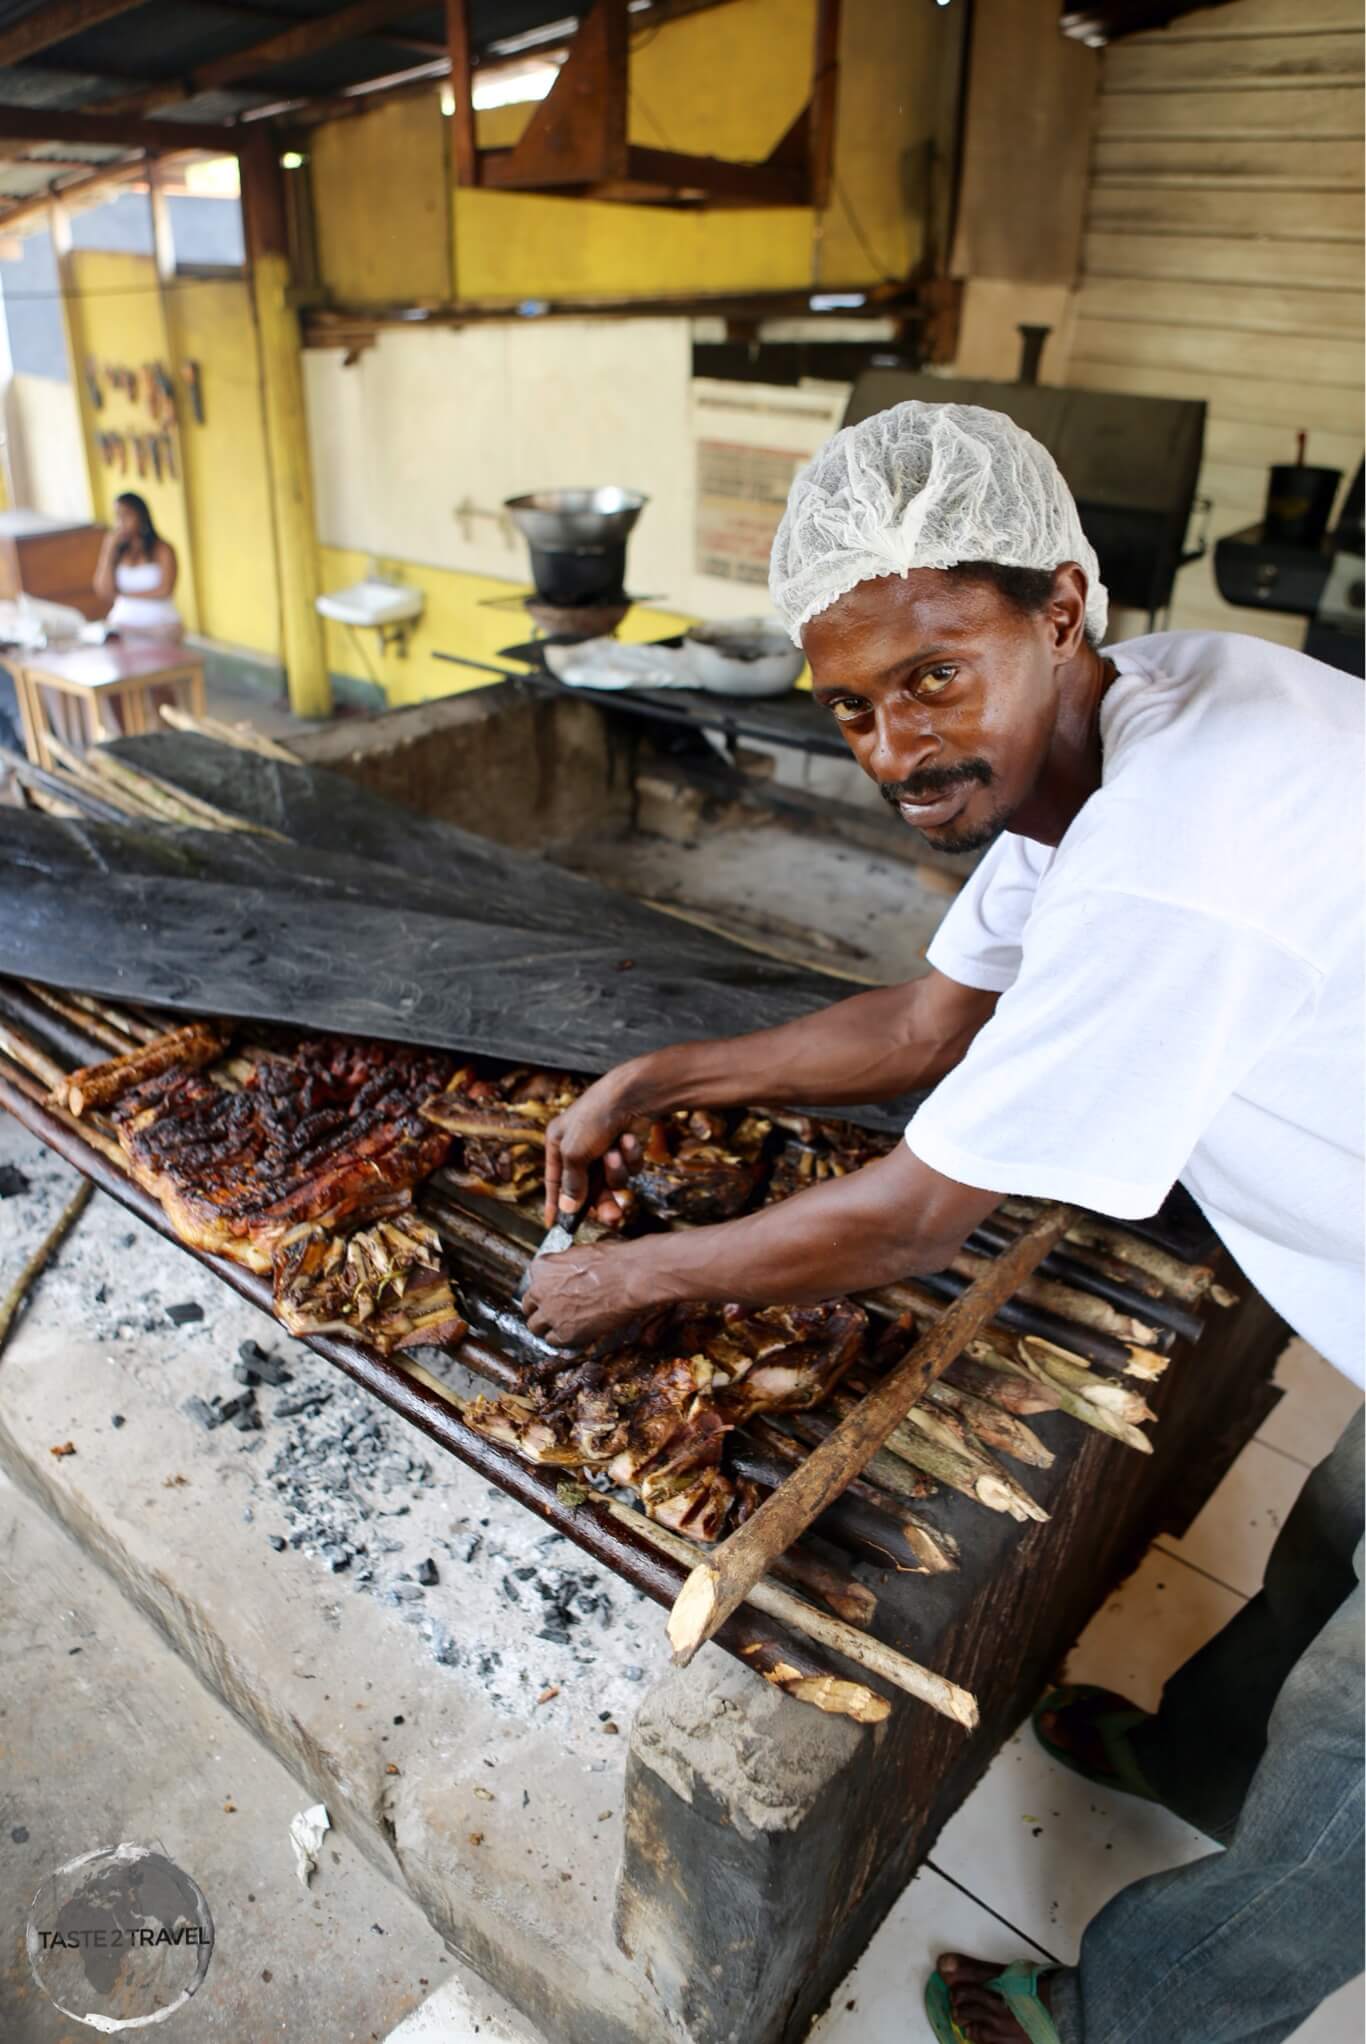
(1151, 1624)
(1046, 1850)
(1236, 1531)
(1317, 1405)
(461, 2010)
(1340, 2020)
(882, 2000)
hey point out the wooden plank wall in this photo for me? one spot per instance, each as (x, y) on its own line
(1223, 249)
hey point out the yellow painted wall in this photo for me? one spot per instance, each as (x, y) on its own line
(456, 620)
(115, 316)
(225, 459)
(381, 204)
(727, 82)
(216, 510)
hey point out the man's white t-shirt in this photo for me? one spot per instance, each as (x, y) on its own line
(1181, 976)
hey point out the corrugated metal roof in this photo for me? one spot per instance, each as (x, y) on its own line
(163, 41)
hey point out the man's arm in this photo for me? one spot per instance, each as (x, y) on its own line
(871, 1047)
(893, 1219)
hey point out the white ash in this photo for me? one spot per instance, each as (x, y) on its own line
(517, 1611)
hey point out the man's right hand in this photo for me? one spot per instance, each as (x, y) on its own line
(593, 1129)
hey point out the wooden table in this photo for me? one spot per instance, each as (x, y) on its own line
(124, 671)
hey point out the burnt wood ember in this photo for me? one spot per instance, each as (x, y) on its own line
(499, 1122)
(699, 1164)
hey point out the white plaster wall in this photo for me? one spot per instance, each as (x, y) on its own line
(428, 421)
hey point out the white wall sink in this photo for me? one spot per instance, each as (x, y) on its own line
(373, 603)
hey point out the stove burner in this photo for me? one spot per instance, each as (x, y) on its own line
(578, 620)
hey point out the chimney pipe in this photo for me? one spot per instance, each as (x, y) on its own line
(1032, 340)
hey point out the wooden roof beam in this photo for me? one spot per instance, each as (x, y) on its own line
(56, 23)
(122, 131)
(286, 46)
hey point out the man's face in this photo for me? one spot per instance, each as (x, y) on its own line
(946, 694)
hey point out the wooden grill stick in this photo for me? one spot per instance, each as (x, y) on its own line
(718, 1585)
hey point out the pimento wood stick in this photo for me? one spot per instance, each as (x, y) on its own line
(718, 1585)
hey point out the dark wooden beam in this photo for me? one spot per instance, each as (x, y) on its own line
(55, 23)
(464, 152)
(286, 46)
(333, 326)
(825, 78)
(577, 134)
(122, 131)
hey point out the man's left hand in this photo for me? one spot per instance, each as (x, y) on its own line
(583, 1292)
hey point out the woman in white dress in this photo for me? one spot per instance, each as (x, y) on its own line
(137, 569)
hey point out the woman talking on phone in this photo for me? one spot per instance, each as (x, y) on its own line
(137, 569)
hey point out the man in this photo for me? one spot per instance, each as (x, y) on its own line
(1155, 973)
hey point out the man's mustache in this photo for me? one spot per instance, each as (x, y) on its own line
(934, 781)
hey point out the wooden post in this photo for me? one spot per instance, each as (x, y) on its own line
(723, 1581)
(464, 153)
(291, 480)
(825, 79)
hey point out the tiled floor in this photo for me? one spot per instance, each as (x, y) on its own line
(1035, 1851)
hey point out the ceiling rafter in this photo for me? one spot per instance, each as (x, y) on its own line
(286, 46)
(56, 23)
(121, 131)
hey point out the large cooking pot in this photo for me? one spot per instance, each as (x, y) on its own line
(576, 521)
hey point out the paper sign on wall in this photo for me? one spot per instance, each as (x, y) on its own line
(741, 495)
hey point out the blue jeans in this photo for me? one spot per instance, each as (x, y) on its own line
(1258, 1742)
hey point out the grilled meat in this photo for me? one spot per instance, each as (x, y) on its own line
(327, 1132)
(385, 1283)
(101, 1085)
(699, 1164)
(657, 1423)
(500, 1124)
(815, 1150)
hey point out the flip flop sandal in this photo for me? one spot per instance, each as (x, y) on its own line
(1018, 1987)
(1111, 1718)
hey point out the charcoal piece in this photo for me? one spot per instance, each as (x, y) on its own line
(116, 1419)
(425, 1573)
(268, 1368)
(208, 1416)
(12, 1181)
(407, 1592)
(247, 1420)
(245, 1374)
(278, 1543)
(228, 1408)
(287, 1408)
(185, 1313)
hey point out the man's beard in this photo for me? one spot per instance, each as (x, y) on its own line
(924, 787)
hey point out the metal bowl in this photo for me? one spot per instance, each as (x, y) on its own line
(576, 521)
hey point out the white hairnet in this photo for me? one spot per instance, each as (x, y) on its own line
(925, 486)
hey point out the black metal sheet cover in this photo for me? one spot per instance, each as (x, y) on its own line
(212, 922)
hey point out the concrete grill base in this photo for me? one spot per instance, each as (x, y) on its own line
(705, 1872)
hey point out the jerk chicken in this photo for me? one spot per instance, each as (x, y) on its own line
(301, 1163)
(324, 1132)
(815, 1150)
(699, 1164)
(499, 1125)
(656, 1421)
